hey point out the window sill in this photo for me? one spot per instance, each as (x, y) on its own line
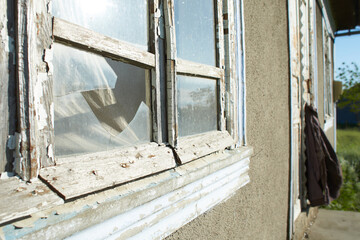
(77, 176)
(156, 205)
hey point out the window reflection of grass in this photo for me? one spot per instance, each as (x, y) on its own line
(348, 152)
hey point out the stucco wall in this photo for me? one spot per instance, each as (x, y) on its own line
(260, 209)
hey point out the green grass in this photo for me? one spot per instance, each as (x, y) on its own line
(348, 152)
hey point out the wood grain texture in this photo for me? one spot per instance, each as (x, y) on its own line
(19, 199)
(198, 69)
(80, 175)
(193, 147)
(231, 74)
(34, 78)
(171, 72)
(220, 63)
(22, 159)
(155, 73)
(81, 37)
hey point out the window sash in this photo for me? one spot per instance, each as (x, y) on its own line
(37, 136)
(180, 66)
(99, 170)
(327, 71)
(82, 38)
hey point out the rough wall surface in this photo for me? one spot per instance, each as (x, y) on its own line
(260, 209)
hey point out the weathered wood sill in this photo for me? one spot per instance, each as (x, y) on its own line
(164, 201)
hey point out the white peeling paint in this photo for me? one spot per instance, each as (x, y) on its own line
(52, 113)
(4, 37)
(50, 152)
(49, 54)
(6, 175)
(41, 114)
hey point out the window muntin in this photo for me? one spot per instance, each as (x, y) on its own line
(195, 31)
(197, 105)
(100, 104)
(125, 20)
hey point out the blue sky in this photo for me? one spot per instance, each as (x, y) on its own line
(347, 49)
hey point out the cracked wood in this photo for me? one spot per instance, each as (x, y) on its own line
(79, 175)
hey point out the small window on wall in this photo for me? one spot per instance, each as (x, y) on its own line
(327, 75)
(196, 75)
(195, 41)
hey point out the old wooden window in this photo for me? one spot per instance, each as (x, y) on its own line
(104, 97)
(100, 115)
(327, 73)
(196, 78)
(116, 90)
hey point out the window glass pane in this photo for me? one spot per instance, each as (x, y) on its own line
(197, 105)
(195, 31)
(100, 104)
(126, 20)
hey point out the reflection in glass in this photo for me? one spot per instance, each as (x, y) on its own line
(195, 31)
(197, 105)
(99, 105)
(125, 20)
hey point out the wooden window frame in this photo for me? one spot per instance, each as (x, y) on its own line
(35, 157)
(33, 142)
(328, 111)
(34, 154)
(191, 147)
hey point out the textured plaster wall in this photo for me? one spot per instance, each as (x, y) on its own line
(260, 209)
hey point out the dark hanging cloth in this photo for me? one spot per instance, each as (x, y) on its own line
(323, 170)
